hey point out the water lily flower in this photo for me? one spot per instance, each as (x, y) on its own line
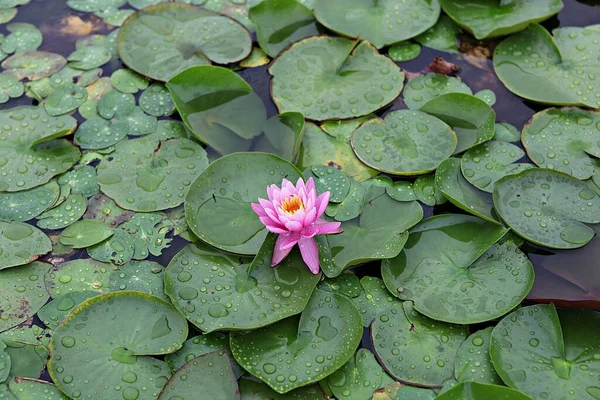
(294, 213)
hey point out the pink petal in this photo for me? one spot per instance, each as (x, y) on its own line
(258, 209)
(289, 241)
(326, 228)
(310, 185)
(272, 192)
(278, 253)
(310, 217)
(321, 203)
(294, 226)
(273, 227)
(310, 254)
(310, 231)
(266, 204)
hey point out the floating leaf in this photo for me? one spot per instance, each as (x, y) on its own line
(53, 312)
(421, 89)
(257, 58)
(65, 99)
(218, 292)
(28, 204)
(548, 207)
(116, 105)
(127, 81)
(7, 14)
(89, 57)
(63, 215)
(140, 123)
(373, 299)
(10, 88)
(358, 378)
(148, 326)
(346, 283)
(33, 65)
(480, 391)
(118, 249)
(560, 61)
(23, 37)
(486, 20)
(157, 101)
(104, 209)
(21, 243)
(146, 40)
(282, 136)
(97, 133)
(113, 16)
(85, 233)
(148, 232)
(487, 95)
(325, 336)
(506, 132)
(441, 36)
(426, 191)
(473, 361)
(404, 51)
(329, 179)
(27, 348)
(81, 275)
(381, 23)
(401, 191)
(94, 5)
(352, 78)
(256, 390)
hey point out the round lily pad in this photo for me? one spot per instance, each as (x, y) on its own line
(10, 88)
(373, 299)
(104, 209)
(31, 153)
(406, 143)
(78, 275)
(90, 54)
(157, 101)
(487, 95)
(143, 276)
(28, 204)
(473, 362)
(330, 78)
(23, 293)
(7, 14)
(421, 89)
(81, 180)
(257, 58)
(481, 391)
(85, 233)
(119, 346)
(346, 284)
(65, 99)
(548, 207)
(163, 40)
(402, 191)
(485, 20)
(332, 180)
(140, 123)
(28, 388)
(546, 354)
(358, 378)
(210, 373)
(98, 133)
(302, 349)
(127, 81)
(21, 243)
(564, 139)
(64, 214)
(453, 271)
(506, 132)
(405, 51)
(148, 231)
(380, 22)
(252, 389)
(471, 118)
(116, 105)
(483, 165)
(94, 5)
(23, 37)
(426, 191)
(413, 348)
(218, 207)
(27, 346)
(148, 175)
(551, 69)
(55, 311)
(33, 65)
(113, 16)
(118, 249)
(218, 292)
(441, 36)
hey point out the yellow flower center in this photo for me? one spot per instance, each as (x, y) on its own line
(292, 204)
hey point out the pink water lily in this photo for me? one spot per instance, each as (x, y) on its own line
(294, 213)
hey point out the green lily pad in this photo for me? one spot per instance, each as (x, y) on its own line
(548, 354)
(405, 51)
(224, 192)
(96, 91)
(23, 37)
(450, 182)
(402, 191)
(55, 311)
(252, 389)
(332, 180)
(148, 326)
(39, 89)
(148, 175)
(485, 20)
(473, 362)
(219, 292)
(65, 99)
(280, 23)
(564, 139)
(346, 283)
(143, 276)
(257, 58)
(28, 204)
(7, 14)
(21, 243)
(413, 348)
(31, 153)
(382, 23)
(23, 293)
(378, 233)
(118, 249)
(140, 123)
(453, 271)
(483, 165)
(358, 378)
(69, 75)
(548, 207)
(113, 16)
(406, 143)
(487, 95)
(219, 107)
(426, 191)
(325, 336)
(148, 231)
(27, 347)
(341, 69)
(116, 105)
(104, 209)
(85, 233)
(535, 65)
(169, 129)
(162, 40)
(94, 5)
(319, 148)
(157, 101)
(65, 214)
(28, 389)
(506, 132)
(373, 299)
(282, 136)
(481, 391)
(98, 133)
(90, 54)
(10, 88)
(421, 89)
(5, 362)
(33, 65)
(471, 118)
(128, 81)
(441, 36)
(211, 373)
(81, 275)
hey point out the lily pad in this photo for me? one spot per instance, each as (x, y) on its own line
(346, 283)
(5, 362)
(149, 326)
(487, 95)
(565, 140)
(352, 78)
(252, 389)
(157, 101)
(23, 37)
(10, 88)
(85, 233)
(143, 276)
(218, 292)
(65, 214)
(81, 275)
(65, 99)
(27, 347)
(382, 23)
(98, 133)
(140, 123)
(480, 391)
(118, 249)
(373, 299)
(402, 191)
(421, 89)
(415, 349)
(332, 180)
(7, 14)
(148, 231)
(483, 165)
(257, 58)
(471, 118)
(69, 75)
(21, 243)
(473, 362)
(31, 153)
(426, 191)
(218, 207)
(28, 204)
(127, 81)
(453, 271)
(116, 105)
(28, 388)
(113, 16)
(23, 293)
(541, 352)
(94, 5)
(404, 51)
(506, 132)
(104, 209)
(406, 143)
(162, 40)
(89, 57)
(535, 65)
(441, 36)
(282, 136)
(148, 175)
(280, 23)
(55, 311)
(325, 336)
(33, 65)
(358, 378)
(485, 20)
(548, 207)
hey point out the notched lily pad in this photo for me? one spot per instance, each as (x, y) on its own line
(85, 233)
(157, 101)
(10, 88)
(21, 243)
(473, 362)
(27, 204)
(65, 214)
(33, 65)
(358, 378)
(421, 89)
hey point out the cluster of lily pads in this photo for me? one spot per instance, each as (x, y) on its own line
(104, 174)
